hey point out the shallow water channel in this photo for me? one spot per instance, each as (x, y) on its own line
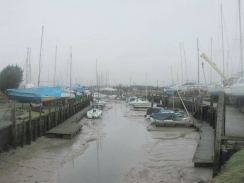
(131, 151)
(109, 158)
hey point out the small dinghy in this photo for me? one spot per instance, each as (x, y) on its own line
(94, 113)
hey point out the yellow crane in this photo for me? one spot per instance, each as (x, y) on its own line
(215, 67)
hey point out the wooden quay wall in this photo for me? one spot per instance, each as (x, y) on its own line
(33, 123)
(220, 127)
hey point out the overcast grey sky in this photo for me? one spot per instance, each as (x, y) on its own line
(130, 39)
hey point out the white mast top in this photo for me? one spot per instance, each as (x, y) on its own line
(239, 4)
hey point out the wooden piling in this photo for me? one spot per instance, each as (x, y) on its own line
(39, 125)
(35, 130)
(49, 117)
(23, 134)
(218, 133)
(14, 126)
(55, 115)
(45, 125)
(29, 136)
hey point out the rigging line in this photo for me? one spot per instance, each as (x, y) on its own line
(65, 70)
(181, 65)
(211, 45)
(40, 56)
(228, 47)
(204, 74)
(185, 61)
(30, 64)
(222, 40)
(239, 3)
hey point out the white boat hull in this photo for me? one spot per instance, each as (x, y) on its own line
(142, 105)
(112, 97)
(94, 113)
(184, 121)
(214, 90)
(237, 90)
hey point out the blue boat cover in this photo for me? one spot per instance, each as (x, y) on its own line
(33, 95)
(77, 88)
(163, 116)
(154, 110)
(167, 116)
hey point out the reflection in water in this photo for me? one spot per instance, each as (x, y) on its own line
(98, 147)
(58, 177)
(108, 159)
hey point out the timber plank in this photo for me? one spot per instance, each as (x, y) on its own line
(204, 154)
(69, 128)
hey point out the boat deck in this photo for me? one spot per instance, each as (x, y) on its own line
(70, 127)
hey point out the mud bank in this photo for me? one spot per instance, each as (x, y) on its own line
(168, 155)
(37, 162)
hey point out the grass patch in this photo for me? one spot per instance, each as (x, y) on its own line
(232, 171)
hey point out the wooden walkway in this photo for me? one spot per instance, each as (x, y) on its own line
(70, 127)
(204, 154)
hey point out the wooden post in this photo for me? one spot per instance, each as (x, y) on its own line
(23, 134)
(218, 133)
(49, 117)
(35, 130)
(40, 119)
(29, 137)
(55, 115)
(223, 126)
(211, 101)
(201, 112)
(14, 126)
(60, 115)
(45, 124)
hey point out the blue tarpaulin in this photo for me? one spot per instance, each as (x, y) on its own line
(34, 95)
(77, 88)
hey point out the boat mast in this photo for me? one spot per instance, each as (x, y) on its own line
(55, 66)
(239, 4)
(108, 79)
(130, 85)
(40, 57)
(198, 59)
(70, 64)
(29, 64)
(185, 62)
(222, 39)
(172, 89)
(211, 59)
(181, 65)
(97, 81)
(146, 85)
(27, 67)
